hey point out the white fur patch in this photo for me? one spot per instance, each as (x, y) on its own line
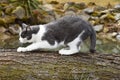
(72, 46)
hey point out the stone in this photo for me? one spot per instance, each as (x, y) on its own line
(118, 22)
(81, 5)
(2, 29)
(47, 7)
(91, 4)
(9, 19)
(98, 42)
(14, 29)
(99, 8)
(54, 2)
(114, 34)
(67, 5)
(2, 21)
(19, 12)
(88, 10)
(117, 6)
(98, 28)
(9, 9)
(107, 17)
(84, 16)
(4, 36)
(70, 12)
(46, 18)
(4, 1)
(117, 16)
(118, 37)
(115, 50)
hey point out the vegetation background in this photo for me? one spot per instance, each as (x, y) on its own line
(99, 2)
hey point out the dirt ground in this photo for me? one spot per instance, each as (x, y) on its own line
(52, 66)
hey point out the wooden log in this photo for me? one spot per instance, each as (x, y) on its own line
(43, 65)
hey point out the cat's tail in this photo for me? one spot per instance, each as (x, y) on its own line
(93, 41)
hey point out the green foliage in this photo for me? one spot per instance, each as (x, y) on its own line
(28, 5)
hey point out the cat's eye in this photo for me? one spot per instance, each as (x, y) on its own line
(23, 34)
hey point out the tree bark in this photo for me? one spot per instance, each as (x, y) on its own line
(53, 66)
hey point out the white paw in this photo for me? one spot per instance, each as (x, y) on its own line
(64, 52)
(67, 52)
(21, 49)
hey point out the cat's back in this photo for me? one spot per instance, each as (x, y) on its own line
(68, 22)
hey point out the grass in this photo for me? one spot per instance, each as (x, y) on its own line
(98, 2)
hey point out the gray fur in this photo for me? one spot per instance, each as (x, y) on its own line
(67, 29)
(28, 31)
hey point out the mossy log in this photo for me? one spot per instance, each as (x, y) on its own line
(52, 66)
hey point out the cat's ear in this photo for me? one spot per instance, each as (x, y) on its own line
(24, 25)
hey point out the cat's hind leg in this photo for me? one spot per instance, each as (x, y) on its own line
(70, 51)
(74, 47)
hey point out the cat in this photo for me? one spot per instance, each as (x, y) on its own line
(68, 31)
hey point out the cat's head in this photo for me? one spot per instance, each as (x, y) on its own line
(27, 33)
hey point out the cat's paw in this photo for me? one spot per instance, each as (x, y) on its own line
(21, 49)
(64, 52)
(68, 52)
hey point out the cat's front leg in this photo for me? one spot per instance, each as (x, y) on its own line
(31, 47)
(38, 45)
(21, 49)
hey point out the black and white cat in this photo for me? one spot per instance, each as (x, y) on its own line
(68, 31)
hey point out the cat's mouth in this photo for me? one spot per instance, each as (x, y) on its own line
(23, 40)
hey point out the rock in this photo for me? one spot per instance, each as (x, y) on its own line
(67, 5)
(117, 16)
(58, 14)
(9, 19)
(47, 7)
(118, 37)
(84, 16)
(106, 29)
(114, 34)
(19, 12)
(91, 4)
(14, 29)
(70, 12)
(94, 20)
(118, 22)
(2, 29)
(107, 18)
(88, 10)
(4, 1)
(4, 36)
(81, 5)
(2, 21)
(98, 42)
(9, 9)
(98, 28)
(54, 2)
(46, 18)
(99, 8)
(115, 50)
(117, 6)
(95, 14)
